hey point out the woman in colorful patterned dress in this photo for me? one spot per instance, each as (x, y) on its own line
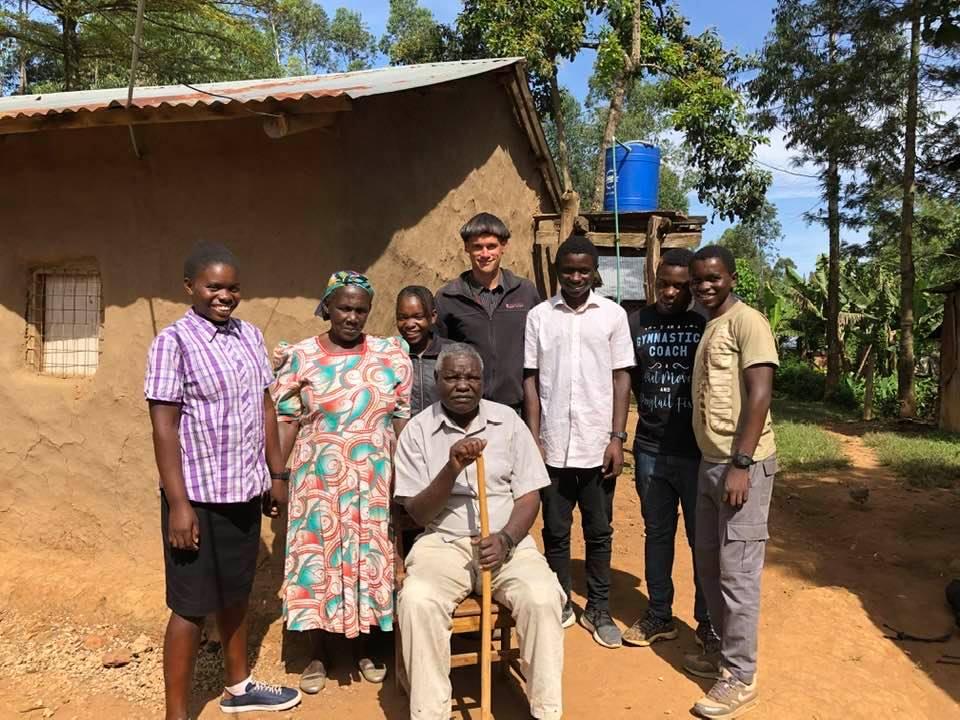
(342, 398)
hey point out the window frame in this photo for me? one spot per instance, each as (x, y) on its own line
(36, 316)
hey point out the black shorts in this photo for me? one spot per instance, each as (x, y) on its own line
(220, 573)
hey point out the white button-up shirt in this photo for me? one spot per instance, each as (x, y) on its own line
(575, 353)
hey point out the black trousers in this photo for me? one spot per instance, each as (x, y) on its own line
(587, 488)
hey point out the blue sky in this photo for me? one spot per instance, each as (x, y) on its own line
(742, 25)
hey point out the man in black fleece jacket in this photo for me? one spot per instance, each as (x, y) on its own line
(487, 307)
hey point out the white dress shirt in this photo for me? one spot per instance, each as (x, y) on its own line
(575, 353)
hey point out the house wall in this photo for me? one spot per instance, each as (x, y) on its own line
(384, 192)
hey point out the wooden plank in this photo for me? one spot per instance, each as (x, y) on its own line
(472, 658)
(639, 240)
(546, 237)
(653, 258)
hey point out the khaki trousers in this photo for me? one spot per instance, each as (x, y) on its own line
(441, 573)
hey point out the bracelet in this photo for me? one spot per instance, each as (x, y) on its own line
(285, 475)
(508, 540)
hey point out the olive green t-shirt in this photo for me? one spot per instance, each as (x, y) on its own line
(738, 339)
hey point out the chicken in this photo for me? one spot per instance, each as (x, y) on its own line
(860, 495)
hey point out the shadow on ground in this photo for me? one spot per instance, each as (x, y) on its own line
(893, 551)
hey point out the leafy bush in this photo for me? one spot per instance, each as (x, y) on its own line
(748, 287)
(885, 402)
(798, 380)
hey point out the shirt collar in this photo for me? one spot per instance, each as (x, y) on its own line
(592, 301)
(478, 288)
(207, 329)
(439, 420)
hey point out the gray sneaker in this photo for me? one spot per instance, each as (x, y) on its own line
(604, 629)
(703, 664)
(569, 617)
(728, 698)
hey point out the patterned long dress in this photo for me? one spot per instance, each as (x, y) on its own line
(339, 563)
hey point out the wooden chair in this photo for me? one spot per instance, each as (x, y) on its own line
(466, 617)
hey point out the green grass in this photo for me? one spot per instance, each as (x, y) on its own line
(802, 445)
(924, 457)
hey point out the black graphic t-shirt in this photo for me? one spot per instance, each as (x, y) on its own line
(665, 347)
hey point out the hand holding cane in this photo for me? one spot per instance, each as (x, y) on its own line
(485, 601)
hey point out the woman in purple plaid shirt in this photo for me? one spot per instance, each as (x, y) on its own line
(218, 454)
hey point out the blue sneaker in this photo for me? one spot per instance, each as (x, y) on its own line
(261, 697)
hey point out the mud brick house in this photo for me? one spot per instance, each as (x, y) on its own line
(100, 201)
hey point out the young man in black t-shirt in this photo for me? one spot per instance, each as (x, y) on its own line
(665, 339)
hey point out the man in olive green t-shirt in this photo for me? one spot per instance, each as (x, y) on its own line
(732, 386)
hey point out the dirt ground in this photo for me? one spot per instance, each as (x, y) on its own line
(837, 572)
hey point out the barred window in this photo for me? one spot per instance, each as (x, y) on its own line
(64, 321)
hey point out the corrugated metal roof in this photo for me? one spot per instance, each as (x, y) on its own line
(353, 85)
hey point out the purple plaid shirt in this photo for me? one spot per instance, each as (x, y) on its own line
(218, 376)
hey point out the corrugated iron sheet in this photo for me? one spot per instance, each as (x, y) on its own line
(353, 85)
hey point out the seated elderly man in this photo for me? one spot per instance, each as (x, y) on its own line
(436, 480)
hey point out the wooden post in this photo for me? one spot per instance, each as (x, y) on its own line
(653, 258)
(568, 213)
(486, 631)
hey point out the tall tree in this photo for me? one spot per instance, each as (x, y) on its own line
(696, 74)
(816, 83)
(414, 36)
(643, 117)
(352, 46)
(906, 393)
(894, 37)
(544, 32)
(72, 46)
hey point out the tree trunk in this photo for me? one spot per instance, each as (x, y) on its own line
(869, 373)
(609, 132)
(22, 53)
(905, 362)
(276, 42)
(556, 105)
(834, 348)
(71, 54)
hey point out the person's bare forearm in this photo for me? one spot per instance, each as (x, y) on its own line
(399, 424)
(531, 403)
(165, 418)
(287, 431)
(523, 515)
(621, 399)
(428, 503)
(759, 385)
(276, 460)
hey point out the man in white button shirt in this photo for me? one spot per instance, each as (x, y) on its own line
(576, 387)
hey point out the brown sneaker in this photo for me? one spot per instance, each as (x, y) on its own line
(648, 629)
(703, 664)
(728, 698)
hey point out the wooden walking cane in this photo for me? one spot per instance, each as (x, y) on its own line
(486, 639)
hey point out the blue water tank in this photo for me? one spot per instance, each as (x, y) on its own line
(638, 177)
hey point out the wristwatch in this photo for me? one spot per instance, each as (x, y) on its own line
(618, 436)
(742, 461)
(285, 475)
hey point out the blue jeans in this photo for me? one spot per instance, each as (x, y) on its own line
(663, 483)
